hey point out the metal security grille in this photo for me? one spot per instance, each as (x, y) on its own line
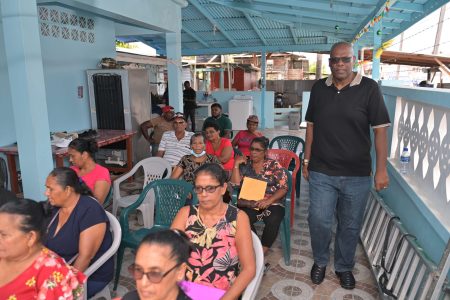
(109, 101)
(109, 104)
(401, 267)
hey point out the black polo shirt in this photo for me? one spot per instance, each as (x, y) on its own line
(342, 120)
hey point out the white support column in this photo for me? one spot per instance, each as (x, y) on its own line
(263, 88)
(28, 95)
(221, 80)
(174, 70)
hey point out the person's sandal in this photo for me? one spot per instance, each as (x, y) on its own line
(318, 274)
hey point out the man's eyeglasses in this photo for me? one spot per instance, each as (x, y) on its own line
(335, 60)
(256, 149)
(152, 276)
(209, 189)
(179, 123)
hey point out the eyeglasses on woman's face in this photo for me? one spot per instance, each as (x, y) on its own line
(152, 276)
(209, 189)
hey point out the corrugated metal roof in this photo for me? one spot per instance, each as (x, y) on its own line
(233, 26)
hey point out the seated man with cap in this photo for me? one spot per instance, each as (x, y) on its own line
(160, 125)
(175, 143)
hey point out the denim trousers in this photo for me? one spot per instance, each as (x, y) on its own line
(345, 197)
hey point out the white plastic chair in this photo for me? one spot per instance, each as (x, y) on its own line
(116, 231)
(252, 288)
(154, 168)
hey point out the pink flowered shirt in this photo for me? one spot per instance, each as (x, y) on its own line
(48, 278)
(214, 260)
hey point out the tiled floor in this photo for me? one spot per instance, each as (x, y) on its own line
(293, 282)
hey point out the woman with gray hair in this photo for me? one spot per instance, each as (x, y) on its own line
(198, 157)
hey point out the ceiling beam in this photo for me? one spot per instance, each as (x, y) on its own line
(195, 36)
(391, 25)
(258, 9)
(411, 7)
(365, 2)
(370, 16)
(258, 32)
(297, 22)
(300, 48)
(291, 29)
(208, 16)
(301, 4)
(392, 14)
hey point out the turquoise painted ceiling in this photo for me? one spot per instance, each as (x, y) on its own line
(235, 26)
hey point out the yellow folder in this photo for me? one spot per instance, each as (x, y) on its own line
(253, 189)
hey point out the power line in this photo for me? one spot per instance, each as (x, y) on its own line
(425, 29)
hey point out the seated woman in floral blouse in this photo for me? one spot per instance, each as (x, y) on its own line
(33, 271)
(223, 255)
(270, 209)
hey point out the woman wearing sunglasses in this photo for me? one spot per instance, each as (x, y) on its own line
(222, 255)
(160, 266)
(270, 209)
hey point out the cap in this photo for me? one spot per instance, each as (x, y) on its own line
(253, 118)
(167, 108)
(178, 115)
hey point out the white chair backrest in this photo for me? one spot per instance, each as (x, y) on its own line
(154, 168)
(252, 288)
(114, 227)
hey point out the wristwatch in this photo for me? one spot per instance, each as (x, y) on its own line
(305, 162)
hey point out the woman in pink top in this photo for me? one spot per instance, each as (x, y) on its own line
(220, 147)
(81, 155)
(245, 137)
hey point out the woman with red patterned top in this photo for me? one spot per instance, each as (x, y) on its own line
(27, 269)
(244, 138)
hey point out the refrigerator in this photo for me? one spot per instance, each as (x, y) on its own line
(239, 108)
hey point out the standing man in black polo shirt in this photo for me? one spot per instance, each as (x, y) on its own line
(190, 104)
(341, 111)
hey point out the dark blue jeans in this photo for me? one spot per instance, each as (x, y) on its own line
(345, 196)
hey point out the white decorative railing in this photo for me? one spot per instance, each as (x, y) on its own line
(425, 130)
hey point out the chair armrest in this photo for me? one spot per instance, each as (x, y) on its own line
(118, 181)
